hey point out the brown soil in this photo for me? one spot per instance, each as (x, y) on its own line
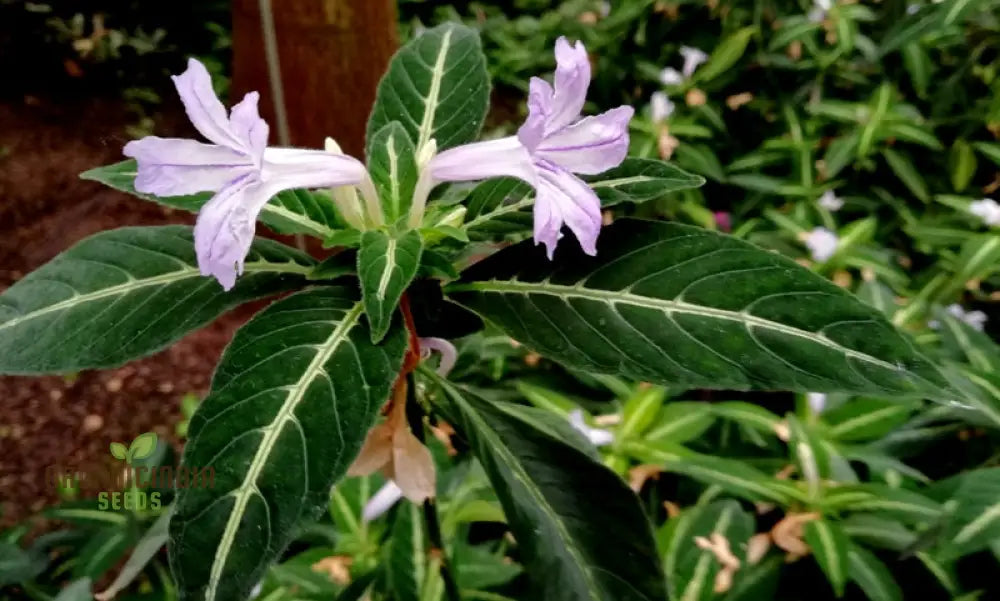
(45, 208)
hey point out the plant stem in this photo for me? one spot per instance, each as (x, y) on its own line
(431, 520)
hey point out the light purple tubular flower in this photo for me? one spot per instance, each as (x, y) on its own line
(238, 166)
(552, 145)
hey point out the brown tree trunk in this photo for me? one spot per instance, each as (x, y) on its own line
(331, 54)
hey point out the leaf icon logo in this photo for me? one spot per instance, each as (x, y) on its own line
(142, 447)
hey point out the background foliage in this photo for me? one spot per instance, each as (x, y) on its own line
(893, 106)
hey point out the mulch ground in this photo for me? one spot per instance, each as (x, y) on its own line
(44, 209)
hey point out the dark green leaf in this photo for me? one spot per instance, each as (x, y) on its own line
(682, 306)
(641, 180)
(386, 266)
(393, 167)
(690, 569)
(962, 164)
(437, 87)
(292, 399)
(124, 294)
(581, 532)
(406, 568)
(907, 173)
(829, 545)
(725, 55)
(147, 548)
(874, 578)
(19, 565)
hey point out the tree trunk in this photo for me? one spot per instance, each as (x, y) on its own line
(331, 54)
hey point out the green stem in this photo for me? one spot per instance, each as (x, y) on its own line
(432, 521)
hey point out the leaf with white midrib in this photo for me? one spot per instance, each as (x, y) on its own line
(386, 266)
(436, 87)
(683, 306)
(292, 399)
(124, 294)
(393, 167)
(581, 533)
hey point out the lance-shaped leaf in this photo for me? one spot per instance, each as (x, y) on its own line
(289, 212)
(292, 399)
(829, 545)
(386, 266)
(393, 167)
(437, 87)
(581, 532)
(124, 294)
(501, 205)
(692, 569)
(406, 565)
(683, 306)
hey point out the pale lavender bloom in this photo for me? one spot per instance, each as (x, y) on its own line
(819, 10)
(552, 145)
(238, 166)
(816, 401)
(975, 319)
(986, 209)
(822, 243)
(660, 107)
(693, 58)
(830, 201)
(671, 77)
(382, 501)
(447, 350)
(597, 436)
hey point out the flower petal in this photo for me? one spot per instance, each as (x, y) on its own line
(175, 166)
(571, 82)
(203, 107)
(482, 160)
(248, 126)
(539, 108)
(287, 168)
(225, 228)
(693, 58)
(591, 145)
(413, 468)
(564, 198)
(671, 77)
(382, 501)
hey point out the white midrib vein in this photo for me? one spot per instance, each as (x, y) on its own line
(162, 279)
(271, 433)
(390, 149)
(830, 548)
(615, 297)
(433, 93)
(705, 560)
(390, 264)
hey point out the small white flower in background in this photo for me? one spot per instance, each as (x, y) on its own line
(597, 436)
(817, 401)
(986, 209)
(382, 501)
(256, 590)
(671, 77)
(605, 9)
(660, 107)
(819, 10)
(830, 201)
(693, 58)
(976, 319)
(912, 9)
(822, 243)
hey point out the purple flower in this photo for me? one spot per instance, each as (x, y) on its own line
(552, 145)
(238, 166)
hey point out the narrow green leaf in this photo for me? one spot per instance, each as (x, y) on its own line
(495, 193)
(581, 532)
(406, 568)
(386, 266)
(904, 504)
(878, 106)
(756, 582)
(393, 166)
(701, 159)
(879, 531)
(866, 419)
(874, 578)
(918, 66)
(103, 550)
(289, 212)
(975, 520)
(292, 399)
(911, 132)
(680, 422)
(990, 150)
(962, 164)
(147, 548)
(673, 304)
(907, 173)
(125, 294)
(437, 87)
(725, 55)
(829, 545)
